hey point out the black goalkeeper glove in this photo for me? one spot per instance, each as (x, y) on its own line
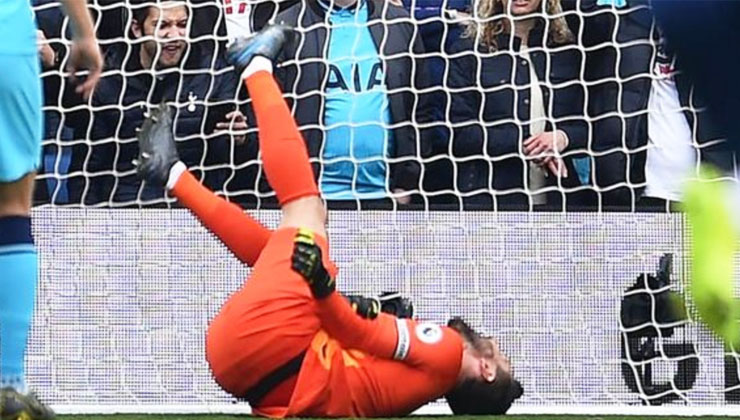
(365, 307)
(307, 262)
(395, 304)
(389, 302)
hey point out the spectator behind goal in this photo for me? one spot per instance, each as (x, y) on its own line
(50, 186)
(660, 110)
(516, 104)
(680, 133)
(161, 64)
(355, 90)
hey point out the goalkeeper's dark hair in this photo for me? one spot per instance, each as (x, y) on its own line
(472, 337)
(475, 396)
(479, 397)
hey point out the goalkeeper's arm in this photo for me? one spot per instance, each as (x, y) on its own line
(378, 336)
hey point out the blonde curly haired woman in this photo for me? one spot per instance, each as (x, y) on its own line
(517, 104)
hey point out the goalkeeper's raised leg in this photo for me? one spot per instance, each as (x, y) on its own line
(284, 154)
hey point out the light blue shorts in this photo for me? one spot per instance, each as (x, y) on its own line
(21, 120)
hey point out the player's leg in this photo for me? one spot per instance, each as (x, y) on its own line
(160, 164)
(20, 153)
(272, 319)
(16, 196)
(284, 154)
(241, 233)
(268, 321)
(19, 265)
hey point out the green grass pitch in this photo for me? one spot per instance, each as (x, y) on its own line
(222, 417)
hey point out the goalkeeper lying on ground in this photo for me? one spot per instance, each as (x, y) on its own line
(286, 341)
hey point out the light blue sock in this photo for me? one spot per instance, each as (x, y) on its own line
(18, 276)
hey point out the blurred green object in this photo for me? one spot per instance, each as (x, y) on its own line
(713, 245)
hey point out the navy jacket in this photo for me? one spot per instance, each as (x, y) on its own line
(619, 111)
(490, 96)
(202, 98)
(395, 37)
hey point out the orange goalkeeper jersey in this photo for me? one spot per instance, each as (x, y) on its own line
(337, 382)
(394, 365)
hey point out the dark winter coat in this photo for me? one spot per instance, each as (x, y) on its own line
(119, 104)
(490, 98)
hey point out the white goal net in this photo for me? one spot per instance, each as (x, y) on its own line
(424, 119)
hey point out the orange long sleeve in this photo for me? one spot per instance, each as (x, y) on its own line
(378, 337)
(242, 234)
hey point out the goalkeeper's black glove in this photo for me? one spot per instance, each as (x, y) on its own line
(395, 304)
(365, 307)
(389, 302)
(307, 262)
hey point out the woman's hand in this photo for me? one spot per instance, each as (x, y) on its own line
(544, 149)
(546, 143)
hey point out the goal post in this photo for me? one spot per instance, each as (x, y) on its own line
(579, 297)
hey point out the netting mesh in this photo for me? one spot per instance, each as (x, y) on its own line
(125, 295)
(437, 107)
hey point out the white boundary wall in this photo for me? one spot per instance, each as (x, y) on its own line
(125, 297)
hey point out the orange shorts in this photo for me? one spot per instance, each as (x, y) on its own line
(268, 322)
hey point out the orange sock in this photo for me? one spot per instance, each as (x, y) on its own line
(241, 233)
(284, 153)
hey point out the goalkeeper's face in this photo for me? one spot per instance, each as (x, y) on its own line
(166, 28)
(494, 358)
(485, 384)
